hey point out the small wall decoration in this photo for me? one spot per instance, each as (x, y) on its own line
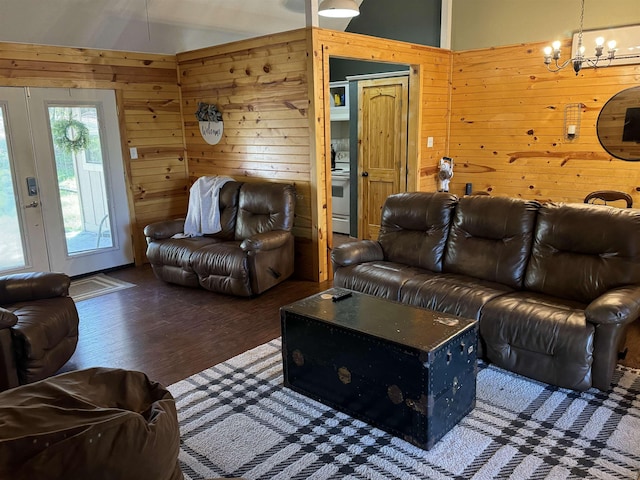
(445, 173)
(70, 135)
(210, 120)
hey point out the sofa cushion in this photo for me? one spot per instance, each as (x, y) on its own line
(223, 268)
(451, 293)
(380, 278)
(414, 226)
(539, 336)
(581, 251)
(176, 252)
(264, 207)
(493, 247)
(228, 206)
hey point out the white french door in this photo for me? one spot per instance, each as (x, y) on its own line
(63, 201)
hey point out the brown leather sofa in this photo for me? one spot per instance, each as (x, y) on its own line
(553, 286)
(253, 252)
(38, 327)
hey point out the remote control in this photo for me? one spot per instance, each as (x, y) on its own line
(340, 296)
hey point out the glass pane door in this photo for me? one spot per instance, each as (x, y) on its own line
(63, 198)
(78, 153)
(80, 176)
(23, 245)
(13, 255)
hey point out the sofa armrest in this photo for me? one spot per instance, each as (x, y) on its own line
(7, 318)
(356, 252)
(20, 287)
(164, 229)
(618, 306)
(265, 241)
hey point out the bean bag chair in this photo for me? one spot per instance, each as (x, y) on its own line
(93, 424)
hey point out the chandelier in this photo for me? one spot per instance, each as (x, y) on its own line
(553, 53)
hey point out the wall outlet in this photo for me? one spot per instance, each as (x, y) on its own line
(133, 151)
(429, 142)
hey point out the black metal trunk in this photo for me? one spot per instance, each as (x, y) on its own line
(408, 371)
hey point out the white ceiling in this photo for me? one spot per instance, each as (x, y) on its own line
(158, 26)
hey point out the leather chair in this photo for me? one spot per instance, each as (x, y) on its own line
(98, 423)
(253, 252)
(38, 326)
(606, 196)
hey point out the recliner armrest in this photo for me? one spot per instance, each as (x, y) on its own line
(7, 318)
(265, 241)
(20, 287)
(620, 305)
(354, 253)
(164, 229)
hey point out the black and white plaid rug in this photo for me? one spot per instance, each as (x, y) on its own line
(237, 420)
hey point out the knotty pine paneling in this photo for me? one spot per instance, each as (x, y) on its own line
(507, 126)
(271, 91)
(148, 100)
(261, 87)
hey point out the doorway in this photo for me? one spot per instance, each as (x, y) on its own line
(63, 199)
(377, 138)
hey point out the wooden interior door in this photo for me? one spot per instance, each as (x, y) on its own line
(382, 147)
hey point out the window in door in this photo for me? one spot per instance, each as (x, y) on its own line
(10, 236)
(80, 176)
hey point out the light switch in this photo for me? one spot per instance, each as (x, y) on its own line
(133, 151)
(429, 142)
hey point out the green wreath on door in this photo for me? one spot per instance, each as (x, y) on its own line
(71, 135)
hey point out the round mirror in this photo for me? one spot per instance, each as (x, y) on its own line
(618, 125)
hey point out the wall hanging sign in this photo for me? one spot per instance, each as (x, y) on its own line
(210, 122)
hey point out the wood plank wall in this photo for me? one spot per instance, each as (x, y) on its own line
(148, 100)
(506, 133)
(507, 126)
(275, 125)
(261, 88)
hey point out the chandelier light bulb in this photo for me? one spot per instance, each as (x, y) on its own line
(547, 51)
(556, 45)
(599, 41)
(612, 44)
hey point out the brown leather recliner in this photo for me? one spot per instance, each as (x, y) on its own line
(253, 252)
(38, 326)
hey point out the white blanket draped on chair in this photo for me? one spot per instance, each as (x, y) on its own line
(203, 215)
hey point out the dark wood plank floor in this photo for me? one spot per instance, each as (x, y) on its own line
(171, 332)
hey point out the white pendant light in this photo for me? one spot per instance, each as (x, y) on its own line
(339, 8)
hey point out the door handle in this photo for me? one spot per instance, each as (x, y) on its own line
(33, 204)
(365, 174)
